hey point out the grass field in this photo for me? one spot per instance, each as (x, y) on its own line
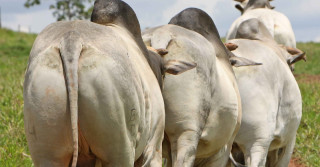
(308, 77)
(14, 51)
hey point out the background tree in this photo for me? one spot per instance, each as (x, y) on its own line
(67, 9)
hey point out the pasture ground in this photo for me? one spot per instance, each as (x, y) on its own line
(14, 51)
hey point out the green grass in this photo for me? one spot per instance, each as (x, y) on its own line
(308, 138)
(308, 76)
(14, 51)
(313, 59)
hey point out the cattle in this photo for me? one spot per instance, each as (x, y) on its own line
(277, 23)
(242, 5)
(103, 79)
(271, 99)
(203, 108)
(245, 5)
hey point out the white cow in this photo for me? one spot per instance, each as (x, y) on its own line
(242, 7)
(103, 80)
(277, 23)
(271, 98)
(203, 108)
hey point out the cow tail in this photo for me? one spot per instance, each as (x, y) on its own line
(70, 50)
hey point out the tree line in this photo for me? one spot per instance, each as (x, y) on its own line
(67, 9)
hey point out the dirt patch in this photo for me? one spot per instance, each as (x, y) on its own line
(296, 162)
(307, 78)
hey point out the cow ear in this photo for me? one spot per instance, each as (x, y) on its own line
(297, 57)
(292, 51)
(177, 67)
(162, 52)
(239, 7)
(239, 1)
(231, 46)
(240, 61)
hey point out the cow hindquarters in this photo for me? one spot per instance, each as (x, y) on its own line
(281, 157)
(220, 159)
(103, 115)
(256, 153)
(47, 118)
(152, 153)
(184, 148)
(285, 37)
(116, 113)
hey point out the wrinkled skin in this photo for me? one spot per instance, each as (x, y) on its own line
(99, 77)
(120, 106)
(199, 103)
(277, 24)
(93, 92)
(271, 99)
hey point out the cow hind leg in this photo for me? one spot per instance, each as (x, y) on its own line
(184, 148)
(102, 118)
(152, 155)
(47, 119)
(256, 153)
(281, 157)
(217, 160)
